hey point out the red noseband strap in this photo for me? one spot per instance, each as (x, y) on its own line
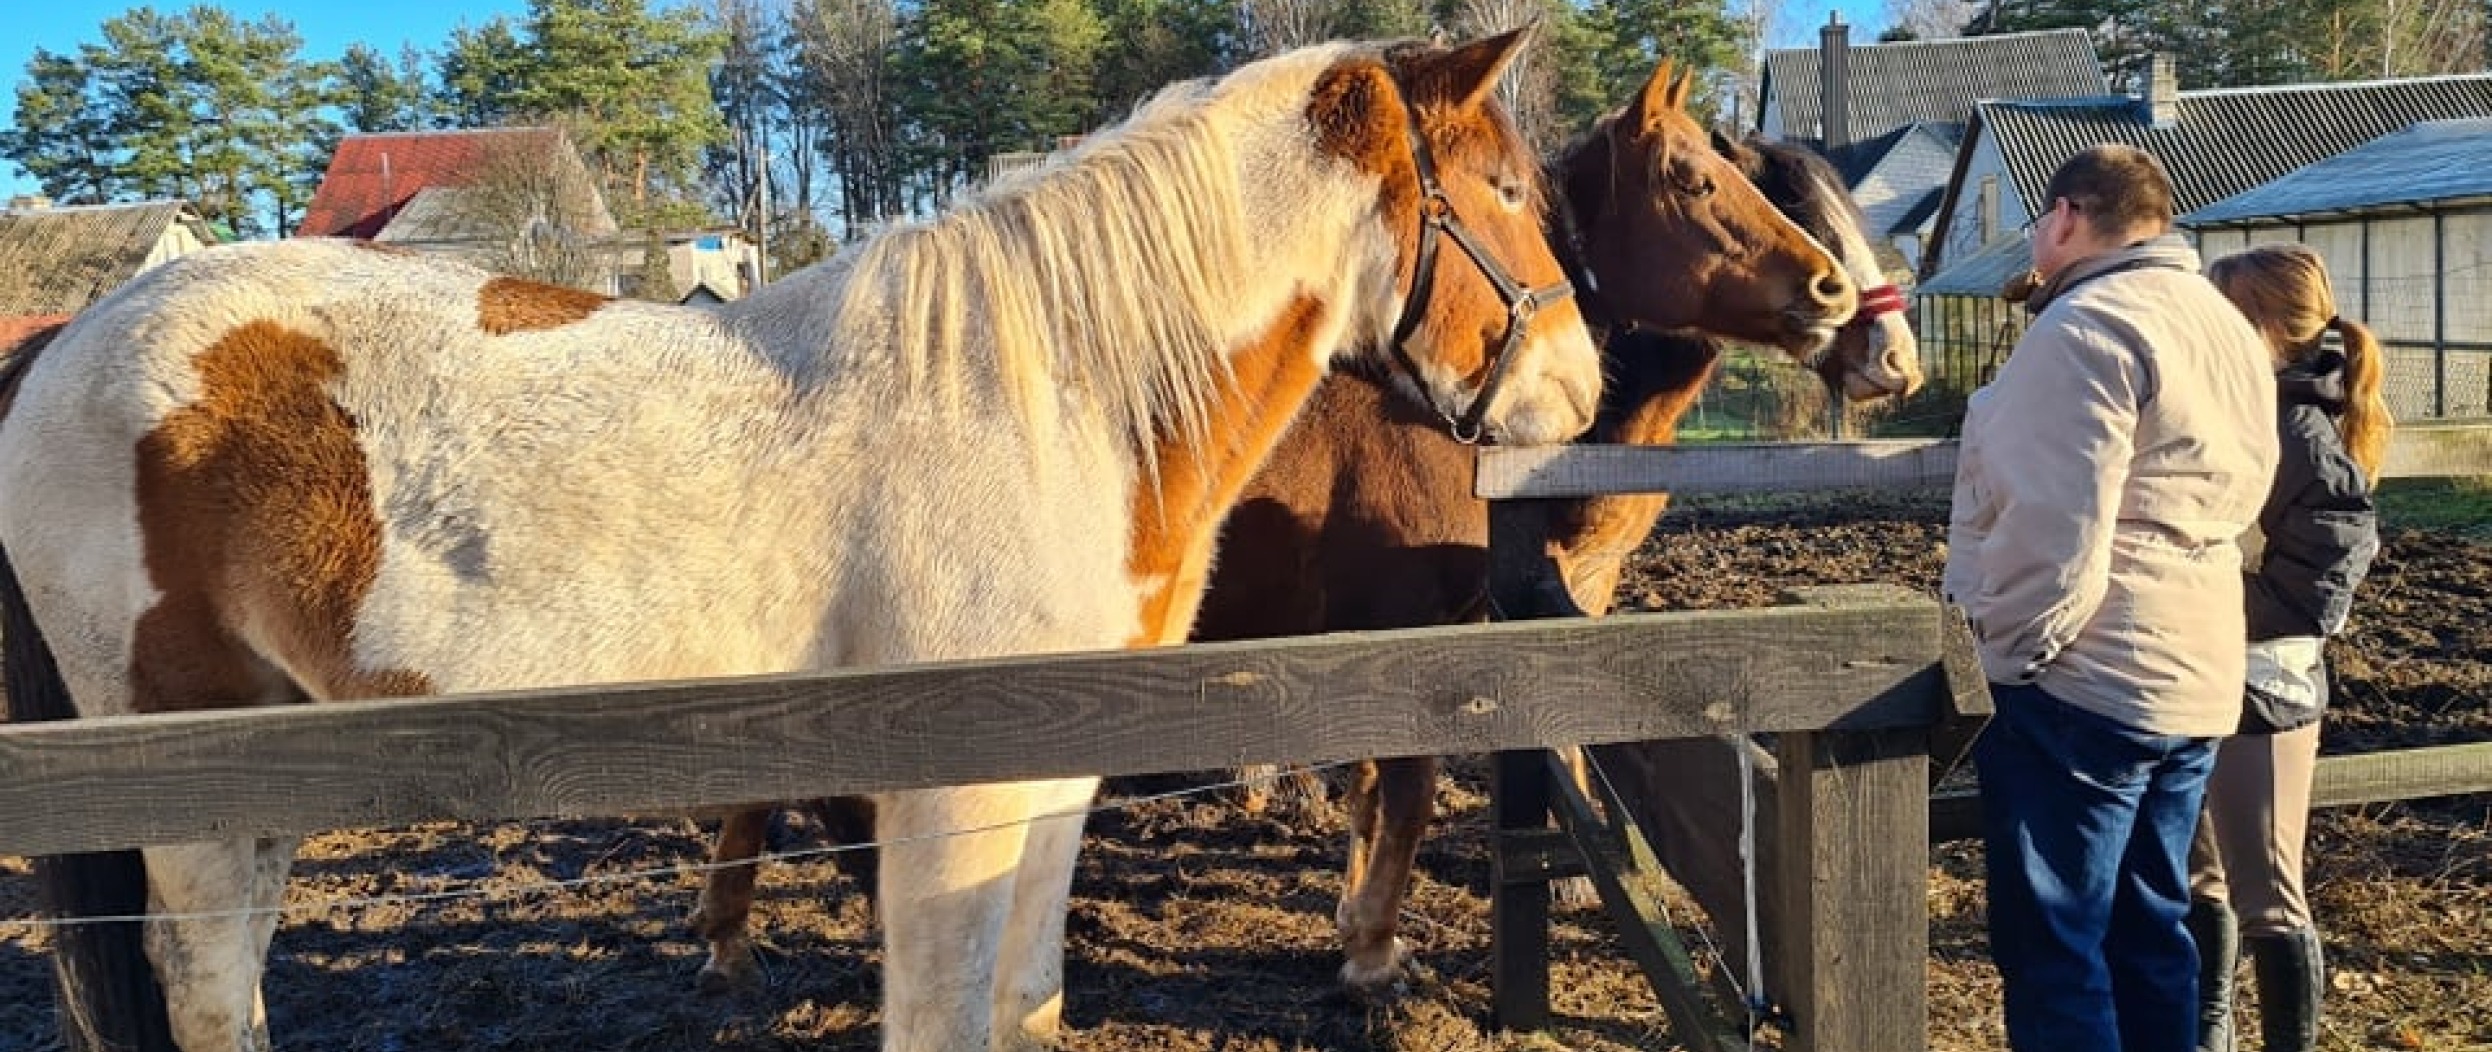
(1884, 299)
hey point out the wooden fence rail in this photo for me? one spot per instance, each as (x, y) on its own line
(84, 785)
(2415, 451)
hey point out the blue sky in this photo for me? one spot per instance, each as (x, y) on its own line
(327, 26)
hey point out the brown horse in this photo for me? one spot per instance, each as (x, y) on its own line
(1354, 526)
(1659, 231)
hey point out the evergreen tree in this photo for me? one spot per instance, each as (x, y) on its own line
(481, 72)
(196, 105)
(376, 96)
(633, 83)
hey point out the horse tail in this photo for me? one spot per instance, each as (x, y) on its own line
(106, 992)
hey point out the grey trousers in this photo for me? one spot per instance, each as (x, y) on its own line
(2248, 850)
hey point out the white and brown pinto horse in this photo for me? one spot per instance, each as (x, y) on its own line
(1362, 517)
(313, 471)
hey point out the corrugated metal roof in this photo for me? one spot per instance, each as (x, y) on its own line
(2226, 141)
(57, 260)
(1893, 85)
(1983, 273)
(2433, 161)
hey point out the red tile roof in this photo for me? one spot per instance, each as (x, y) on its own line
(372, 176)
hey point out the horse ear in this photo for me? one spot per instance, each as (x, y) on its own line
(1658, 97)
(1722, 142)
(1680, 88)
(1467, 75)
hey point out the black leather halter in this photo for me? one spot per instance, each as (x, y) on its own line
(1436, 214)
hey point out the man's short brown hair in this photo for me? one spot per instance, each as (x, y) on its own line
(2118, 189)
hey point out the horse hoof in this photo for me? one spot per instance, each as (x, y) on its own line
(1575, 893)
(732, 975)
(1379, 983)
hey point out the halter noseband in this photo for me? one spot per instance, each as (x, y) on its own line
(1884, 299)
(1436, 214)
(1874, 302)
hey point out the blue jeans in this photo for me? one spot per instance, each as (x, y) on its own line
(2086, 826)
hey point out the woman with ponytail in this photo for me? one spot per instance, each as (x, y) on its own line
(2317, 536)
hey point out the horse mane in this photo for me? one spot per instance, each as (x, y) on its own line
(1789, 172)
(1104, 272)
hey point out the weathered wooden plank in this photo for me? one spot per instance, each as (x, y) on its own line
(1535, 856)
(2420, 451)
(97, 784)
(1853, 889)
(2404, 774)
(1684, 796)
(1743, 467)
(1621, 867)
(2341, 781)
(1518, 904)
(1968, 707)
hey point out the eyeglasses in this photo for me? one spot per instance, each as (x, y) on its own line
(2035, 219)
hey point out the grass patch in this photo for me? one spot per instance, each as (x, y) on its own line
(2462, 506)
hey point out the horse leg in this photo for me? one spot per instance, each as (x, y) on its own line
(1371, 913)
(1362, 804)
(726, 906)
(849, 822)
(950, 861)
(1029, 982)
(209, 960)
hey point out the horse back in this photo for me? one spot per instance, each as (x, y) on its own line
(361, 468)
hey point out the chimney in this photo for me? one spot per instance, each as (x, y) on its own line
(2159, 88)
(1834, 78)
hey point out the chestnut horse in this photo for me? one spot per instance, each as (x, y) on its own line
(1405, 545)
(1660, 231)
(307, 471)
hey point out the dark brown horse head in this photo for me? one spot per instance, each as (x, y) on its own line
(1670, 235)
(1874, 354)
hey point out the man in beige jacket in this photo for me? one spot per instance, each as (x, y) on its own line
(2105, 477)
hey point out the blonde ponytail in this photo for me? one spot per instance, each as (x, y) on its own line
(2366, 423)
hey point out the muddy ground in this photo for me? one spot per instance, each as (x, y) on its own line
(1198, 927)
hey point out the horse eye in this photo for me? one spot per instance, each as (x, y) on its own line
(1510, 191)
(1702, 187)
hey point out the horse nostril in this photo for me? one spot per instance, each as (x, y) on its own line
(1831, 287)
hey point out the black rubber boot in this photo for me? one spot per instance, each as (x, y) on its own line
(2292, 974)
(2211, 926)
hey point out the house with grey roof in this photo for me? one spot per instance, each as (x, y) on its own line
(2405, 224)
(1891, 116)
(57, 259)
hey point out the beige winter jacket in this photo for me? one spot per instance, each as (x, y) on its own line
(2104, 479)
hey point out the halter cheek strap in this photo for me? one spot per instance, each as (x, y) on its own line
(1436, 216)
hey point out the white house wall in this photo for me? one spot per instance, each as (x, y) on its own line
(1963, 236)
(1903, 179)
(178, 240)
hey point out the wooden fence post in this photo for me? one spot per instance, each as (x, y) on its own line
(1519, 900)
(1855, 905)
